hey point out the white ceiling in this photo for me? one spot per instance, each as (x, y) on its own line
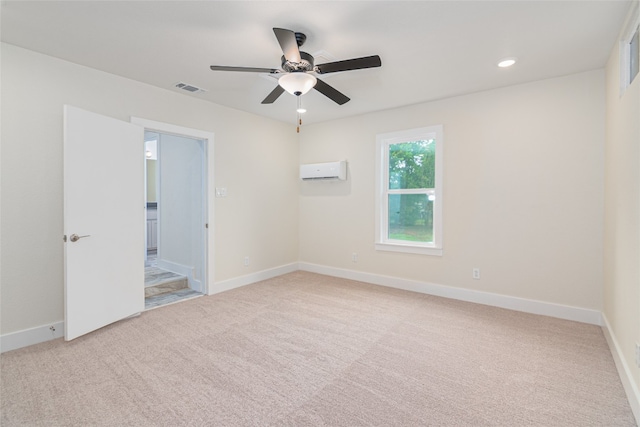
(429, 49)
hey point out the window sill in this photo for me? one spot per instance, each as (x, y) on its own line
(412, 249)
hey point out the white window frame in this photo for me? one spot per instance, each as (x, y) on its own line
(383, 142)
(633, 25)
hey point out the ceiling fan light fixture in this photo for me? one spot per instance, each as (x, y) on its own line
(297, 83)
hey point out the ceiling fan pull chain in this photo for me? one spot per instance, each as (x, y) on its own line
(299, 111)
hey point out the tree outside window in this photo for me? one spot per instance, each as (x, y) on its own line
(411, 190)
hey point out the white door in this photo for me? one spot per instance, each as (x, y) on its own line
(103, 220)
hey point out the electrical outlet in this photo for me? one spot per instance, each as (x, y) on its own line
(476, 274)
(354, 257)
(638, 355)
(246, 261)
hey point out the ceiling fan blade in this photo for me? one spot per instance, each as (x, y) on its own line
(289, 44)
(331, 93)
(275, 93)
(246, 69)
(349, 64)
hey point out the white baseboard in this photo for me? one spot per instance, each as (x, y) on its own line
(236, 282)
(31, 336)
(183, 270)
(174, 267)
(43, 333)
(577, 314)
(630, 387)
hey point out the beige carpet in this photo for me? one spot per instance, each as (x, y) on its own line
(310, 350)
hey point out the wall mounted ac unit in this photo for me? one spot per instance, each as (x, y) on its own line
(330, 170)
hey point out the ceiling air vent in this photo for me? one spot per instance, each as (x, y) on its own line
(189, 88)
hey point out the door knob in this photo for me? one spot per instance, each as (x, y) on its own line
(75, 237)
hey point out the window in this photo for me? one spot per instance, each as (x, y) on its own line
(634, 52)
(409, 191)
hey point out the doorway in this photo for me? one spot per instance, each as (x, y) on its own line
(176, 217)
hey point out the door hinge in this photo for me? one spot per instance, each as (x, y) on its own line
(206, 225)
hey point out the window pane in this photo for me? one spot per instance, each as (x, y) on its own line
(412, 164)
(411, 217)
(634, 51)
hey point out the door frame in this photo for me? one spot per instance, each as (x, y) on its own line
(208, 184)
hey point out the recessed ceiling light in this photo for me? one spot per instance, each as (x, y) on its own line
(507, 62)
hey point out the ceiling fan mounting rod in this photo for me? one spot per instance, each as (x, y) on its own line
(300, 39)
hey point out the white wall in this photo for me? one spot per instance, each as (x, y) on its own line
(248, 159)
(180, 204)
(622, 216)
(151, 180)
(523, 192)
(523, 185)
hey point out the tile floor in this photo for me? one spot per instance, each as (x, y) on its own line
(164, 287)
(170, 298)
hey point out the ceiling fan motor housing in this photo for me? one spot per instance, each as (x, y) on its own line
(306, 63)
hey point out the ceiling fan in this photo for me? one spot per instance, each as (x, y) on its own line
(297, 68)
